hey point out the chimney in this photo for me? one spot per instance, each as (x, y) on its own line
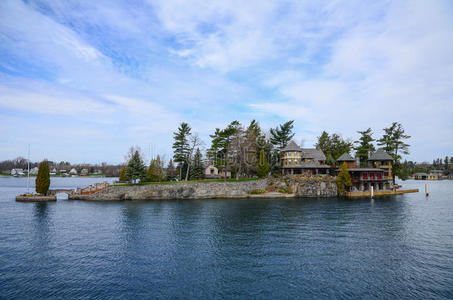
(357, 161)
(369, 153)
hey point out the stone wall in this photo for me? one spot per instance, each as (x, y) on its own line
(298, 186)
(305, 186)
(189, 190)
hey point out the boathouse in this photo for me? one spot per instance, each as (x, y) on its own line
(378, 173)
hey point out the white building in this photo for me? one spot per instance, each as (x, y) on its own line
(34, 171)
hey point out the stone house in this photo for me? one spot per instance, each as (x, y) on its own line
(303, 161)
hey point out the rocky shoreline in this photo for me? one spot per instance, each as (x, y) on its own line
(293, 187)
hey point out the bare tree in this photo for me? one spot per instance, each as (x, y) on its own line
(194, 142)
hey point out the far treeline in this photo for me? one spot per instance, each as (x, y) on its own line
(247, 151)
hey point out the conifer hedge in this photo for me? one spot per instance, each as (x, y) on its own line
(43, 178)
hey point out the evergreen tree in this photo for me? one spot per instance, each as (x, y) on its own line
(279, 138)
(153, 171)
(43, 178)
(123, 174)
(365, 145)
(216, 152)
(171, 170)
(343, 180)
(446, 162)
(333, 146)
(393, 143)
(136, 169)
(181, 146)
(263, 165)
(197, 170)
(282, 134)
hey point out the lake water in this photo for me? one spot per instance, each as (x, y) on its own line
(393, 247)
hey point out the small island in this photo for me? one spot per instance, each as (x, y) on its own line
(244, 162)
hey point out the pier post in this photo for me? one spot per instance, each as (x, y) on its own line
(372, 192)
(426, 190)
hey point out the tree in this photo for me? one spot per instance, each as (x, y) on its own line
(181, 146)
(123, 174)
(282, 134)
(171, 170)
(153, 174)
(333, 146)
(136, 169)
(446, 161)
(263, 165)
(364, 145)
(226, 135)
(324, 143)
(343, 180)
(279, 138)
(197, 171)
(43, 178)
(393, 142)
(195, 141)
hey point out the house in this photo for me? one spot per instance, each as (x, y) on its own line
(73, 172)
(211, 172)
(53, 171)
(17, 172)
(84, 172)
(378, 173)
(34, 171)
(303, 161)
(425, 176)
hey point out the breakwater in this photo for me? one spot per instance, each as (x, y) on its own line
(296, 187)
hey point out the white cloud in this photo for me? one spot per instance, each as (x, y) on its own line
(136, 71)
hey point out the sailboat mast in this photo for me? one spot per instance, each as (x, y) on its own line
(28, 173)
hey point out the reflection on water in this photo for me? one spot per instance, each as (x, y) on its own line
(394, 247)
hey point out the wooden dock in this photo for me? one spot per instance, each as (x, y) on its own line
(380, 193)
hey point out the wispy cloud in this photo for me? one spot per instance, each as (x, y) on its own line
(128, 73)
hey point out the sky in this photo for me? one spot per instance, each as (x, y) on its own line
(82, 81)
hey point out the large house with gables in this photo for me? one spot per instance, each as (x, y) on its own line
(303, 161)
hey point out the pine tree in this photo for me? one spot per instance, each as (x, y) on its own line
(123, 174)
(343, 180)
(282, 134)
(333, 146)
(263, 165)
(393, 143)
(197, 170)
(365, 145)
(181, 146)
(136, 169)
(43, 178)
(171, 170)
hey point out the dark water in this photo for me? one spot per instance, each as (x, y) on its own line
(396, 247)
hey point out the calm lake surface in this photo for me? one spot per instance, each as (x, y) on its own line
(394, 247)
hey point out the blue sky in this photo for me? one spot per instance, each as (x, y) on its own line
(82, 81)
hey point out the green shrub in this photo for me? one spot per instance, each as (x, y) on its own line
(284, 191)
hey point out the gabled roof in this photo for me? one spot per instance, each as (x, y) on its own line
(292, 146)
(346, 157)
(380, 155)
(316, 154)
